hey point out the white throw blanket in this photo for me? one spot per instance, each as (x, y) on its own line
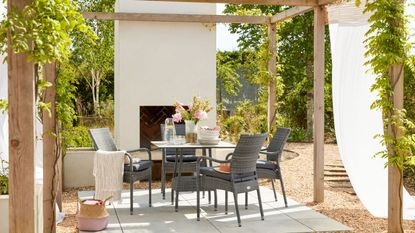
(108, 172)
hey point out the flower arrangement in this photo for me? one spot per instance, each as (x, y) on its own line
(196, 111)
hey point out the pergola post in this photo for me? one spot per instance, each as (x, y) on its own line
(50, 157)
(271, 70)
(395, 175)
(21, 99)
(319, 104)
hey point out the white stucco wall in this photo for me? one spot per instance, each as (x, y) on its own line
(159, 63)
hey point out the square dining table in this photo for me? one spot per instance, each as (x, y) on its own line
(187, 183)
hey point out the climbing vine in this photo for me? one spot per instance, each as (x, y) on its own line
(43, 30)
(387, 45)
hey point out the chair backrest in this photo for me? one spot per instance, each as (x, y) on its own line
(278, 142)
(102, 139)
(180, 130)
(246, 153)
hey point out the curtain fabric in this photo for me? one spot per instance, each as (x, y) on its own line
(355, 123)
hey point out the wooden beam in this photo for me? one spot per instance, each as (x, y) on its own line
(319, 104)
(50, 175)
(189, 18)
(290, 13)
(395, 174)
(326, 2)
(21, 99)
(256, 2)
(271, 70)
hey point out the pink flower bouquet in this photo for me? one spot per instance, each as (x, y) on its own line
(196, 111)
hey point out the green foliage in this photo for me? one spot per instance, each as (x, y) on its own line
(409, 85)
(77, 136)
(300, 135)
(43, 30)
(251, 36)
(294, 65)
(248, 118)
(65, 95)
(94, 61)
(4, 178)
(3, 105)
(226, 73)
(387, 45)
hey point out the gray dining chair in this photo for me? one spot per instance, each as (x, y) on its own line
(169, 158)
(242, 177)
(270, 168)
(134, 171)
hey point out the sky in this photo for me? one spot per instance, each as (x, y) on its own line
(225, 41)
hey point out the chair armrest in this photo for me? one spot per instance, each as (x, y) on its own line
(228, 156)
(131, 161)
(141, 150)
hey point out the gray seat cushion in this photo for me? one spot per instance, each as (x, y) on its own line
(210, 171)
(138, 166)
(263, 164)
(186, 158)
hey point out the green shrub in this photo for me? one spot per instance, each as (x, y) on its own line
(77, 136)
(4, 179)
(4, 185)
(300, 135)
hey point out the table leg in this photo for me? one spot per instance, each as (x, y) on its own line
(214, 191)
(178, 179)
(174, 175)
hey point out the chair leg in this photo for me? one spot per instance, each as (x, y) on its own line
(131, 195)
(246, 200)
(209, 198)
(149, 188)
(273, 188)
(163, 181)
(226, 202)
(235, 197)
(172, 193)
(283, 191)
(198, 198)
(216, 199)
(260, 204)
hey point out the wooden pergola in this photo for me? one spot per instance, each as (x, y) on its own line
(22, 105)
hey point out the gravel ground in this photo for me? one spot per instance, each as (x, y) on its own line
(298, 179)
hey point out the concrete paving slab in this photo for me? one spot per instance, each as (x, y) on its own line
(162, 217)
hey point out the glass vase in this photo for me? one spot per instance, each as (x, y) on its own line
(191, 133)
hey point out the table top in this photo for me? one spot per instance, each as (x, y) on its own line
(165, 145)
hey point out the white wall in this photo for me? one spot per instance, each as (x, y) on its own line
(159, 63)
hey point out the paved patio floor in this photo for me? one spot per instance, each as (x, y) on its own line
(162, 217)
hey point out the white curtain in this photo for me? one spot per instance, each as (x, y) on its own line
(355, 123)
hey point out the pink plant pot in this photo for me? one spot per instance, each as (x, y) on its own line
(92, 224)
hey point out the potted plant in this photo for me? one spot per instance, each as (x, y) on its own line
(4, 197)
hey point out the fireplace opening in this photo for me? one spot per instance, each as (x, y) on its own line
(150, 119)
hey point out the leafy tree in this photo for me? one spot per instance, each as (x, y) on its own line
(295, 63)
(226, 73)
(95, 61)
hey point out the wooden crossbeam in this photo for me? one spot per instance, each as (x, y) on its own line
(256, 2)
(290, 13)
(326, 2)
(190, 18)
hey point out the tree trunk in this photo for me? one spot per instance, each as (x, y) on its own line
(395, 177)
